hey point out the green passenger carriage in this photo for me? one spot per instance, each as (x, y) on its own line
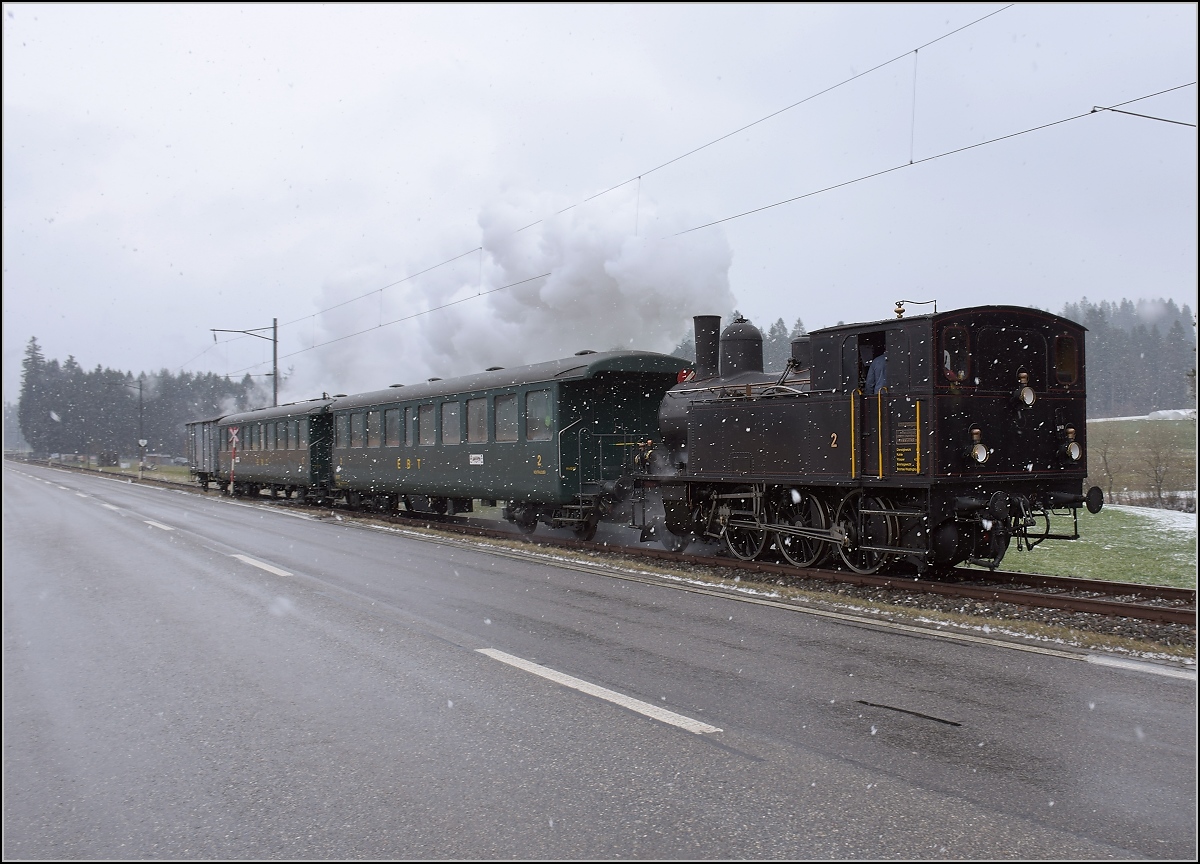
(551, 439)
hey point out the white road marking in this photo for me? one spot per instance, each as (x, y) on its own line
(111, 507)
(262, 565)
(1136, 666)
(158, 525)
(81, 495)
(661, 714)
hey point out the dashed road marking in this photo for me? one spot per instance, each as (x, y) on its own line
(653, 711)
(1137, 666)
(261, 565)
(158, 525)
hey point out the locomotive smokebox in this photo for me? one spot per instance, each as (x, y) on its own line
(708, 345)
(741, 349)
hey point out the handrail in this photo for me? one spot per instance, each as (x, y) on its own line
(879, 426)
(853, 473)
(918, 436)
(562, 471)
(731, 390)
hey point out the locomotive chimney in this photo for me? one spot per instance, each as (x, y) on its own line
(708, 345)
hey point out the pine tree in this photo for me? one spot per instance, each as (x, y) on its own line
(31, 412)
(776, 347)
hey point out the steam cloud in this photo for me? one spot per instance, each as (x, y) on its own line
(606, 289)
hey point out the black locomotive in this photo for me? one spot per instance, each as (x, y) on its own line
(925, 441)
(914, 443)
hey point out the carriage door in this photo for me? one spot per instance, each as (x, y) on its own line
(577, 441)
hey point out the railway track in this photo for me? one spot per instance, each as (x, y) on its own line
(1151, 603)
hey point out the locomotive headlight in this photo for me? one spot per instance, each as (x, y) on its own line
(1072, 449)
(1024, 396)
(979, 451)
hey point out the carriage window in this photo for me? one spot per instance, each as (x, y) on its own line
(270, 442)
(373, 423)
(451, 431)
(1006, 351)
(281, 435)
(477, 421)
(358, 429)
(506, 418)
(956, 354)
(537, 416)
(342, 433)
(302, 434)
(391, 427)
(1066, 365)
(407, 432)
(425, 418)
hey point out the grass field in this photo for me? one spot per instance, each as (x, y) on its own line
(1133, 448)
(174, 473)
(1122, 544)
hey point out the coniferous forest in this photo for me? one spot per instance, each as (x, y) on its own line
(1141, 357)
(65, 409)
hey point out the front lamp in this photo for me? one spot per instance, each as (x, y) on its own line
(1072, 449)
(978, 452)
(1025, 397)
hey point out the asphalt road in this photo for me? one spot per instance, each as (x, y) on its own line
(326, 695)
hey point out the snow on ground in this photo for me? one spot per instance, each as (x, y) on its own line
(1167, 520)
(1174, 414)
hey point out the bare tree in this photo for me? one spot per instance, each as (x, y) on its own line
(1103, 445)
(1160, 456)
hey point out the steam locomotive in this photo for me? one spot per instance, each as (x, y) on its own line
(912, 444)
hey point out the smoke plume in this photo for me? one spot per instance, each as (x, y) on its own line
(606, 288)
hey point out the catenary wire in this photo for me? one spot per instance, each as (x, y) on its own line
(918, 162)
(652, 170)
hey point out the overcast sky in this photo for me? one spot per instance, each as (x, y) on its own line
(175, 168)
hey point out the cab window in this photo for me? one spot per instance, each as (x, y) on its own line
(1066, 362)
(956, 355)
